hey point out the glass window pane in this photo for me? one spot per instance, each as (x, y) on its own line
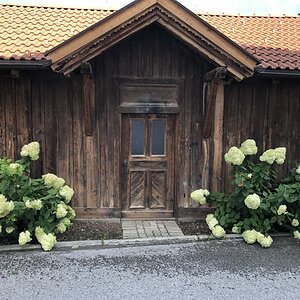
(137, 137)
(158, 137)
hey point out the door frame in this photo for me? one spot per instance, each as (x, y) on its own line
(173, 93)
(146, 213)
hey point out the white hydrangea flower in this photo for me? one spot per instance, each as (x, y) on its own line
(280, 155)
(297, 234)
(264, 241)
(252, 201)
(32, 150)
(34, 204)
(61, 211)
(249, 175)
(200, 196)
(249, 147)
(9, 229)
(236, 229)
(47, 241)
(71, 213)
(212, 223)
(282, 210)
(218, 231)
(53, 181)
(268, 156)
(66, 222)
(250, 236)
(234, 156)
(295, 223)
(39, 232)
(272, 155)
(5, 206)
(14, 169)
(67, 193)
(209, 217)
(24, 238)
(61, 227)
(298, 170)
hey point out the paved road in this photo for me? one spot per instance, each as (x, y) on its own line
(201, 270)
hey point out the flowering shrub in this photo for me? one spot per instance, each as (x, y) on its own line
(32, 209)
(257, 205)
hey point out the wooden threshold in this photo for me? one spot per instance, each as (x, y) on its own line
(147, 214)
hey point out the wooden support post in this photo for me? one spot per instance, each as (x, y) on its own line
(213, 135)
(218, 140)
(209, 112)
(88, 98)
(214, 79)
(217, 73)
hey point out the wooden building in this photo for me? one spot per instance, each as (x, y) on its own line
(135, 108)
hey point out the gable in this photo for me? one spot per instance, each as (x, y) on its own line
(178, 20)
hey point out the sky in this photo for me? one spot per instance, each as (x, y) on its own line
(248, 7)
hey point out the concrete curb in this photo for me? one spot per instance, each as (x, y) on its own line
(101, 244)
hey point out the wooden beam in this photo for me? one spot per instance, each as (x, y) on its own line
(218, 140)
(88, 98)
(98, 48)
(217, 73)
(86, 68)
(235, 70)
(209, 112)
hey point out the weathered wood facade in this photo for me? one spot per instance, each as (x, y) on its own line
(84, 146)
(267, 110)
(98, 127)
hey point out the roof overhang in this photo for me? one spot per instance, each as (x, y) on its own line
(184, 24)
(25, 64)
(277, 73)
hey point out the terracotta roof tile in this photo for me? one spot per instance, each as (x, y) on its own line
(273, 40)
(26, 32)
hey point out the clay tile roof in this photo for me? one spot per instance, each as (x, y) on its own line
(26, 32)
(273, 40)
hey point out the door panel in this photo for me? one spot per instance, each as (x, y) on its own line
(158, 181)
(137, 189)
(148, 165)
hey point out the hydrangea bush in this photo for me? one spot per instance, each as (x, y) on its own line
(257, 205)
(32, 209)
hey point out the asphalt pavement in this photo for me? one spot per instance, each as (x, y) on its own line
(216, 269)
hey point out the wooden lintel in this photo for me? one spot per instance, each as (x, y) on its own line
(89, 103)
(217, 73)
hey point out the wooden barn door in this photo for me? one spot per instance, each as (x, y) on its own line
(148, 152)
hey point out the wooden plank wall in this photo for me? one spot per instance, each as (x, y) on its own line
(266, 110)
(50, 108)
(153, 53)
